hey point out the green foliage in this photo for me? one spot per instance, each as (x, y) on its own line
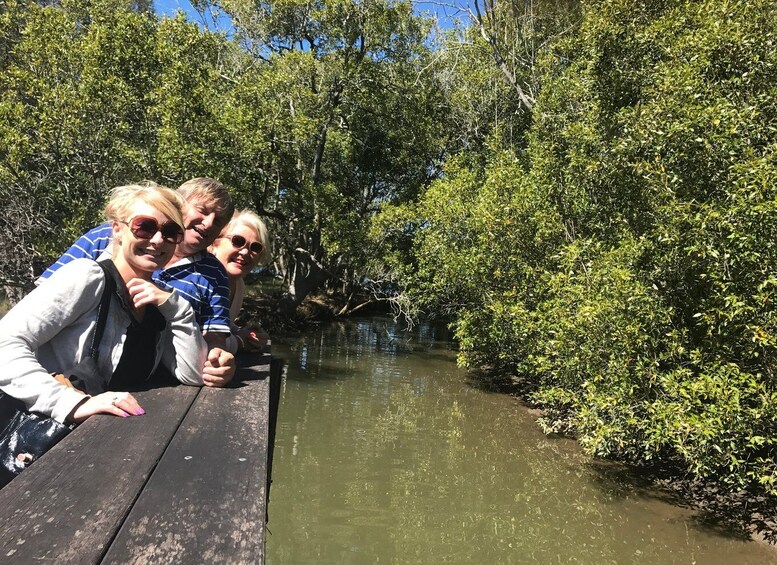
(71, 120)
(601, 342)
(623, 263)
(480, 104)
(335, 116)
(667, 119)
(314, 115)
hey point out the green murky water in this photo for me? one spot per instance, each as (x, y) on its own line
(386, 453)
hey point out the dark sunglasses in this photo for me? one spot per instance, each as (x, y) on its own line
(239, 242)
(146, 227)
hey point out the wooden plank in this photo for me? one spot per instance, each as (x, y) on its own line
(205, 501)
(67, 506)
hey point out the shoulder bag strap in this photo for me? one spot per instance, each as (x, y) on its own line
(102, 311)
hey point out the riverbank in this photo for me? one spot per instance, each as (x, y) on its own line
(266, 310)
(740, 513)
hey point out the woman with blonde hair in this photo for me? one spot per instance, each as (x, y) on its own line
(242, 245)
(51, 329)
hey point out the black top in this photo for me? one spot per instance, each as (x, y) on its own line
(139, 353)
(137, 358)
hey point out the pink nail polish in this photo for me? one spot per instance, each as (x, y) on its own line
(140, 412)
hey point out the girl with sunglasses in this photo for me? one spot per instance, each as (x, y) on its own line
(51, 329)
(241, 246)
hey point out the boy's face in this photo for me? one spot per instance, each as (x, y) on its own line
(202, 226)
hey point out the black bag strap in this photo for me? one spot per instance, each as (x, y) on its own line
(102, 311)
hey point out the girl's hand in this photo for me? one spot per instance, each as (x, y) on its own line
(144, 292)
(252, 337)
(117, 403)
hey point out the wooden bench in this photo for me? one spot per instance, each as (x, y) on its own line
(185, 483)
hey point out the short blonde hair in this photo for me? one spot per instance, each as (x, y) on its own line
(123, 198)
(211, 191)
(250, 219)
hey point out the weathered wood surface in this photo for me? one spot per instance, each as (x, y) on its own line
(66, 507)
(205, 502)
(185, 483)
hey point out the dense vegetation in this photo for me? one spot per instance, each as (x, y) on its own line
(586, 190)
(621, 255)
(311, 112)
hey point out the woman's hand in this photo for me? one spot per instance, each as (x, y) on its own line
(219, 368)
(117, 403)
(252, 337)
(144, 292)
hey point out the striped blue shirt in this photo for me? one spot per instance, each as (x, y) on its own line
(200, 278)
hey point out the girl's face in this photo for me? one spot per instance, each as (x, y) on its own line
(238, 261)
(145, 240)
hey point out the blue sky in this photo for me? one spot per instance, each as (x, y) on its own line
(443, 11)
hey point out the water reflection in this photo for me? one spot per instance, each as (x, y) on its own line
(385, 453)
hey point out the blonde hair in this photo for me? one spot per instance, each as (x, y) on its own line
(250, 219)
(211, 191)
(123, 198)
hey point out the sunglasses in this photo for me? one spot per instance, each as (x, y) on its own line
(239, 242)
(146, 227)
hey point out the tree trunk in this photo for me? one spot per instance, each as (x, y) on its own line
(306, 276)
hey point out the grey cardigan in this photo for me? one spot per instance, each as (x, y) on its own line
(50, 330)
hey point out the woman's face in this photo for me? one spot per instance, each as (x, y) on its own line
(237, 261)
(143, 256)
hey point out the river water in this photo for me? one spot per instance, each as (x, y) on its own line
(386, 452)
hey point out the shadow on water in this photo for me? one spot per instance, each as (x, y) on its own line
(499, 384)
(736, 515)
(376, 336)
